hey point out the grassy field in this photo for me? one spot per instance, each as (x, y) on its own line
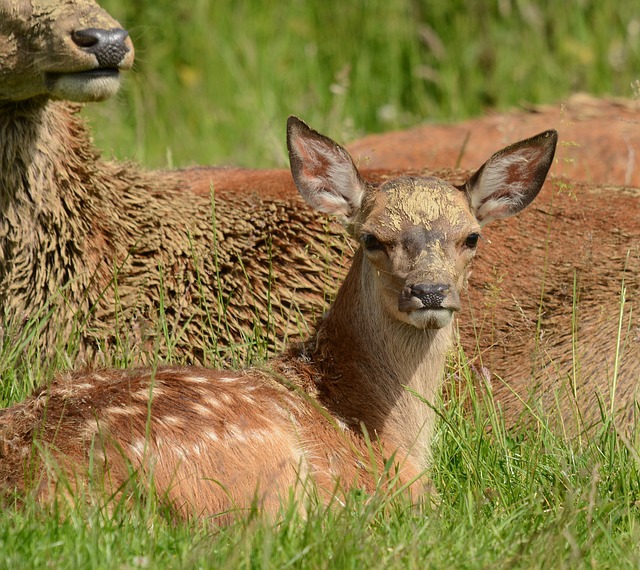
(524, 499)
(214, 83)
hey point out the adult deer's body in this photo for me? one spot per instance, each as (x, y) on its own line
(213, 440)
(600, 140)
(91, 248)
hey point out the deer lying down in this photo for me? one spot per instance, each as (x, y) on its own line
(92, 249)
(213, 440)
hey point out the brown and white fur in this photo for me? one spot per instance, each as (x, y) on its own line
(334, 409)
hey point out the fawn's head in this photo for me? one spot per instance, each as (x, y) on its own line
(418, 234)
(67, 50)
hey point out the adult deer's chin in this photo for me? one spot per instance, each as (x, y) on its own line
(84, 86)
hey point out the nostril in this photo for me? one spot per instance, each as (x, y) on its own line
(431, 296)
(85, 38)
(108, 46)
(422, 296)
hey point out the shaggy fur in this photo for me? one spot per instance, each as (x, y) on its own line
(102, 248)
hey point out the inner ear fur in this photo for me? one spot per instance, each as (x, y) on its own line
(323, 171)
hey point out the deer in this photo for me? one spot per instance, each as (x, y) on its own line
(335, 409)
(91, 248)
(600, 140)
(552, 328)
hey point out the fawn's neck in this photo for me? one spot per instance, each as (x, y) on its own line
(377, 370)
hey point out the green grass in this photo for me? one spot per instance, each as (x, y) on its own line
(519, 499)
(215, 81)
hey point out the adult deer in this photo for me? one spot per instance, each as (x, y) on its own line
(335, 408)
(600, 140)
(93, 251)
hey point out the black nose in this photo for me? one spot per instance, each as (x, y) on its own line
(421, 296)
(108, 46)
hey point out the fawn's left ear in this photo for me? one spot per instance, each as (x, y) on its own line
(323, 171)
(509, 181)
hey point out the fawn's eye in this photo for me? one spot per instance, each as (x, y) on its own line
(371, 243)
(472, 240)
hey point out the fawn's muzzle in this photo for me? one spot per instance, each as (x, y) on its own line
(422, 296)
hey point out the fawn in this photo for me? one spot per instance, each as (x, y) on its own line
(338, 408)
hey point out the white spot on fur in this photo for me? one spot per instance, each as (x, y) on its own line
(247, 399)
(121, 411)
(201, 410)
(236, 433)
(98, 454)
(228, 379)
(341, 424)
(226, 398)
(89, 430)
(138, 447)
(197, 379)
(212, 403)
(300, 463)
(153, 391)
(211, 435)
(172, 420)
(259, 435)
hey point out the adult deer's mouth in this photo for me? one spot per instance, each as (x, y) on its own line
(90, 85)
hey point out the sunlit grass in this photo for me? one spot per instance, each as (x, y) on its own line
(215, 81)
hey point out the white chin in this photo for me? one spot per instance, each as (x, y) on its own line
(430, 318)
(82, 88)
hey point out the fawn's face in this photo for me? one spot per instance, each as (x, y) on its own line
(419, 236)
(69, 50)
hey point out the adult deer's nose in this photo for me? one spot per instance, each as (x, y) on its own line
(108, 46)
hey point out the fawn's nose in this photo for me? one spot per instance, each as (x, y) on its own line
(423, 296)
(108, 46)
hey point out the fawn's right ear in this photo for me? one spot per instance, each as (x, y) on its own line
(323, 171)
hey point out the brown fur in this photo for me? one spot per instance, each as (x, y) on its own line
(98, 243)
(544, 344)
(68, 218)
(212, 441)
(600, 140)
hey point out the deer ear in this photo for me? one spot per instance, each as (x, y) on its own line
(509, 181)
(323, 171)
